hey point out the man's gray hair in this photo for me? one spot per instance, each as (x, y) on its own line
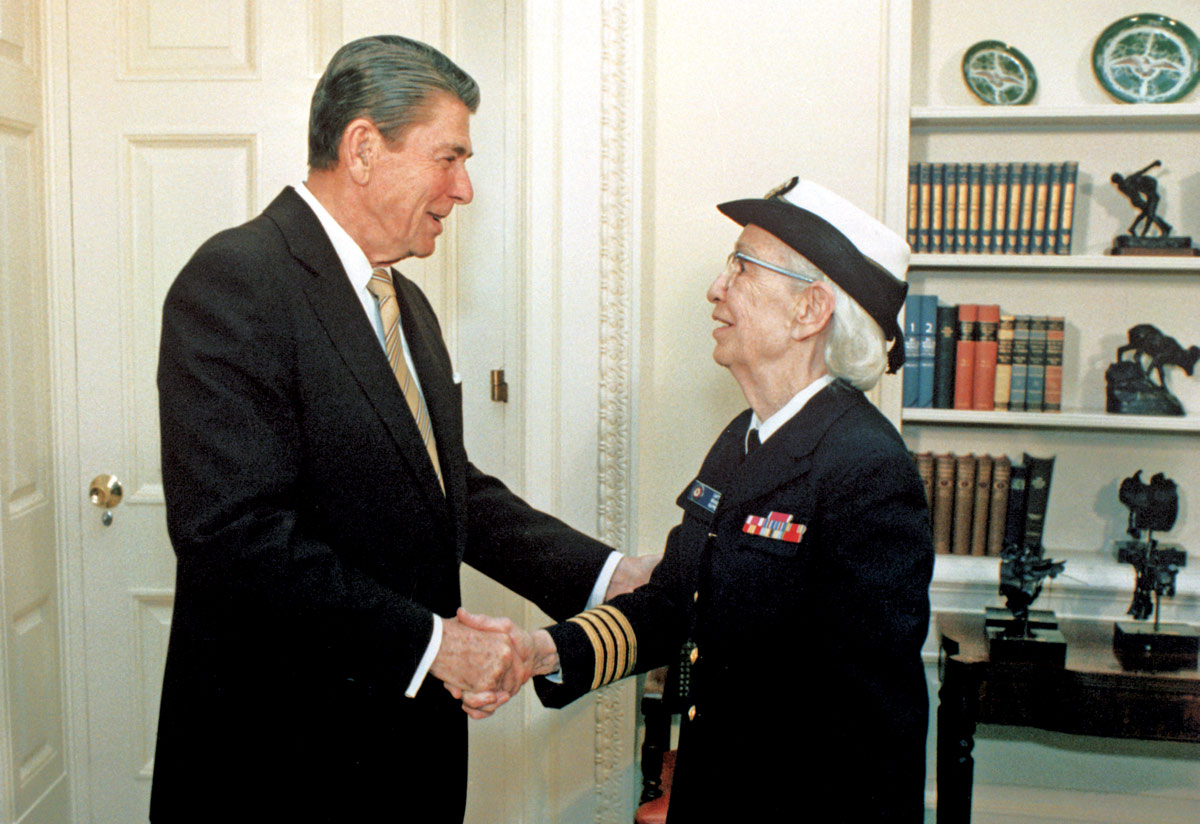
(856, 350)
(388, 79)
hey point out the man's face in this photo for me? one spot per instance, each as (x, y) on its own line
(754, 308)
(416, 182)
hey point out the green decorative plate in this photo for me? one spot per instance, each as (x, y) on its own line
(999, 74)
(1147, 58)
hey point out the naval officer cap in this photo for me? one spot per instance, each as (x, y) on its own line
(854, 250)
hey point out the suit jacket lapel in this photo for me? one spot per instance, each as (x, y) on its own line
(339, 311)
(785, 455)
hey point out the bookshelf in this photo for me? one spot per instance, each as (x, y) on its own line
(935, 118)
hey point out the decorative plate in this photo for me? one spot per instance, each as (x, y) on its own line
(1147, 58)
(999, 74)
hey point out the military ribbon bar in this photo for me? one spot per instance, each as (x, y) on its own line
(776, 525)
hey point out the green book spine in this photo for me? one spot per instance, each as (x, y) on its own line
(1070, 173)
(1035, 380)
(1053, 208)
(1012, 230)
(1041, 199)
(950, 209)
(1037, 497)
(945, 352)
(1000, 220)
(987, 214)
(1028, 199)
(963, 207)
(937, 188)
(914, 205)
(975, 210)
(926, 202)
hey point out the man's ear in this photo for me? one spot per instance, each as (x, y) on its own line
(359, 149)
(813, 310)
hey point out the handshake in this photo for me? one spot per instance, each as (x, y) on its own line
(483, 661)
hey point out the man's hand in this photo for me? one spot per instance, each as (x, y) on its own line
(631, 573)
(482, 656)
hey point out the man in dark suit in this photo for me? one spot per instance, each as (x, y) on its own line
(798, 577)
(318, 519)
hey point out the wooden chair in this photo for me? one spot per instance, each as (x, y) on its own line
(666, 695)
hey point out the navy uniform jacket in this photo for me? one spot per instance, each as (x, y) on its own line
(808, 687)
(313, 542)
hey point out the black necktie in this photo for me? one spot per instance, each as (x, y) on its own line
(752, 442)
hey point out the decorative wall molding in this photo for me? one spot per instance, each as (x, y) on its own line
(619, 64)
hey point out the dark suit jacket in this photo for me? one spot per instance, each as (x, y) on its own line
(313, 542)
(809, 691)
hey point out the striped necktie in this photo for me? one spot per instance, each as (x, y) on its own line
(384, 291)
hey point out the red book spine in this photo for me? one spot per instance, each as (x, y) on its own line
(964, 366)
(984, 382)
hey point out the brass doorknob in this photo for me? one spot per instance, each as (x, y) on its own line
(105, 492)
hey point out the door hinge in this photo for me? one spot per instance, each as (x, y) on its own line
(499, 387)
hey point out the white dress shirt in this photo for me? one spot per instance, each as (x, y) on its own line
(358, 269)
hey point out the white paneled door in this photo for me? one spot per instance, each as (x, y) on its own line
(187, 118)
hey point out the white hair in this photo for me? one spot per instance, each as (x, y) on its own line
(856, 350)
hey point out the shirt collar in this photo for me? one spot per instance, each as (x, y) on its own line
(354, 261)
(772, 424)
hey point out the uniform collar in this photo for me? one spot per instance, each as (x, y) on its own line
(788, 411)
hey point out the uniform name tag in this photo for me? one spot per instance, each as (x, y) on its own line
(776, 525)
(703, 494)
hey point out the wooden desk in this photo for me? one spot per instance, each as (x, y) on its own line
(1092, 695)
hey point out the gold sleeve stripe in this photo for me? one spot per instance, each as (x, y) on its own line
(630, 636)
(596, 647)
(606, 666)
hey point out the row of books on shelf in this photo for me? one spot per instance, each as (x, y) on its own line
(979, 504)
(992, 208)
(973, 356)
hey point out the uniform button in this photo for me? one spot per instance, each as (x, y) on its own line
(695, 596)
(692, 713)
(695, 654)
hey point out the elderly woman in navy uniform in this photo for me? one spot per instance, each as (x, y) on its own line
(801, 567)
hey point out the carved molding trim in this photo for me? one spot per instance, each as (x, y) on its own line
(617, 265)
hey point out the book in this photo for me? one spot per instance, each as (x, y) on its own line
(1020, 363)
(1053, 208)
(926, 349)
(945, 357)
(1000, 219)
(924, 461)
(1039, 472)
(914, 204)
(1035, 380)
(1004, 350)
(912, 342)
(964, 500)
(974, 211)
(964, 360)
(1070, 173)
(1055, 333)
(1041, 197)
(1028, 198)
(998, 504)
(963, 203)
(937, 180)
(943, 501)
(979, 508)
(924, 217)
(1014, 513)
(1012, 230)
(950, 209)
(987, 210)
(983, 396)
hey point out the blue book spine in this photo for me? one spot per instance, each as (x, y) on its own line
(926, 350)
(1020, 363)
(1000, 222)
(912, 347)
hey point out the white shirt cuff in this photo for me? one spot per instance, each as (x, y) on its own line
(431, 651)
(602, 581)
